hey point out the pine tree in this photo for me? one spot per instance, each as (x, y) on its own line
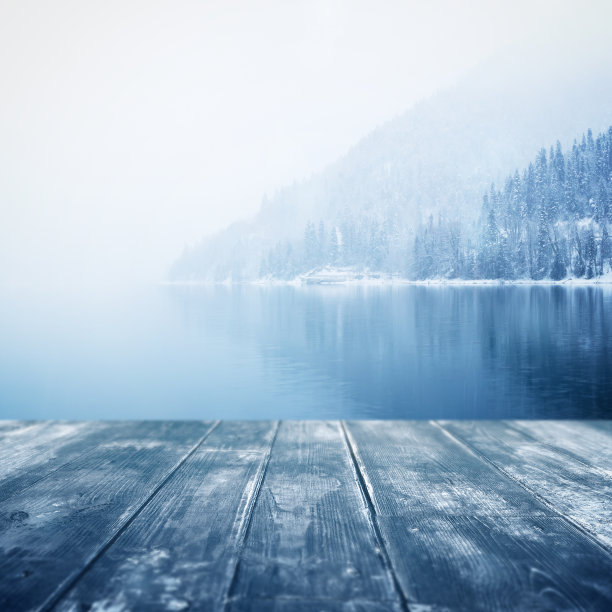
(311, 247)
(542, 258)
(579, 267)
(322, 246)
(547, 220)
(590, 250)
(334, 247)
(605, 250)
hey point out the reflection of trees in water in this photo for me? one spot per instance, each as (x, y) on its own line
(524, 351)
(429, 351)
(554, 341)
(398, 352)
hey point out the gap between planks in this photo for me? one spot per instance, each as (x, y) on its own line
(482, 457)
(364, 485)
(555, 448)
(380, 542)
(68, 584)
(248, 518)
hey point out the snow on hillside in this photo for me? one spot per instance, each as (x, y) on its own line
(434, 162)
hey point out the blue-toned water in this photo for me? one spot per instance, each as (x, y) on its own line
(308, 352)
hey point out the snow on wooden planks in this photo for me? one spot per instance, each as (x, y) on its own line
(182, 549)
(311, 538)
(463, 536)
(567, 466)
(360, 516)
(54, 528)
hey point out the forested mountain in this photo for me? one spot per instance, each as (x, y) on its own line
(406, 200)
(550, 221)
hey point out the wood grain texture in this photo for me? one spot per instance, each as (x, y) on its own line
(462, 536)
(27, 448)
(311, 537)
(303, 604)
(53, 529)
(396, 516)
(574, 488)
(587, 441)
(181, 551)
(31, 453)
(7, 426)
(473, 563)
(418, 469)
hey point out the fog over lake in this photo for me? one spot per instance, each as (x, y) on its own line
(308, 352)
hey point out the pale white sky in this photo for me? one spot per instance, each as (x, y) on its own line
(129, 128)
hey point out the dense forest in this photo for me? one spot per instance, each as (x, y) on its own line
(423, 174)
(549, 221)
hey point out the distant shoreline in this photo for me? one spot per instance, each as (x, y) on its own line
(397, 282)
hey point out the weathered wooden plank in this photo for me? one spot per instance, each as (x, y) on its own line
(181, 550)
(311, 537)
(586, 441)
(30, 454)
(53, 529)
(462, 536)
(473, 563)
(303, 604)
(604, 425)
(418, 469)
(22, 447)
(571, 486)
(12, 425)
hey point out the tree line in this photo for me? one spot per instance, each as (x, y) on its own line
(549, 221)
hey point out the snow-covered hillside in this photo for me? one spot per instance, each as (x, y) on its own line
(434, 162)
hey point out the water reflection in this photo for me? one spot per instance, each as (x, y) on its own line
(310, 352)
(429, 352)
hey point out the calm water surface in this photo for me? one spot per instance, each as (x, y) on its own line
(313, 352)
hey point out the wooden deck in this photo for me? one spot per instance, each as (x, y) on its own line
(359, 516)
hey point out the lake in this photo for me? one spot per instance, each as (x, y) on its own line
(407, 352)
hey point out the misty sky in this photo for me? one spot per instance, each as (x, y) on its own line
(129, 128)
